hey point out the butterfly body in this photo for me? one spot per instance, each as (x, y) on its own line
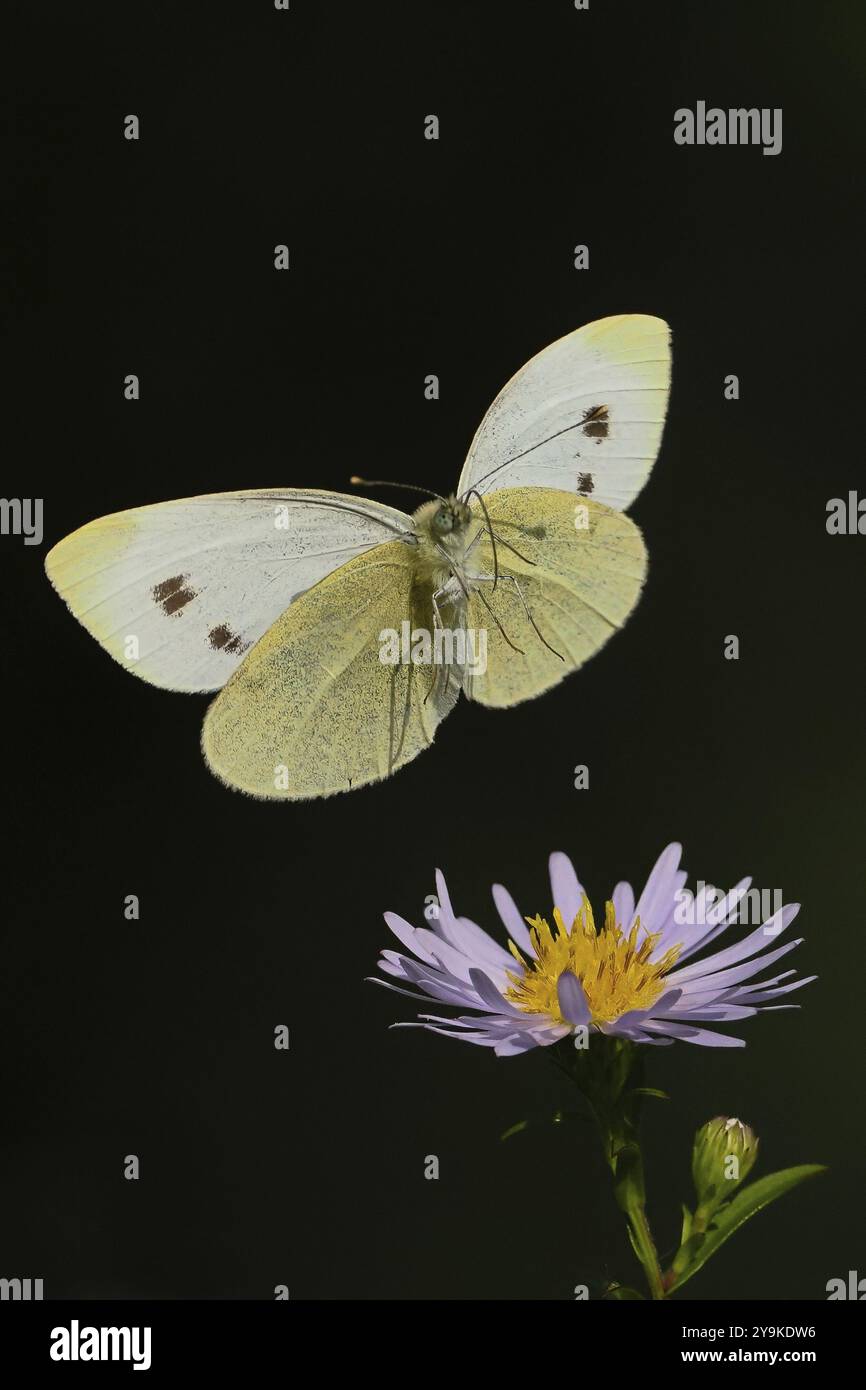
(339, 632)
(442, 530)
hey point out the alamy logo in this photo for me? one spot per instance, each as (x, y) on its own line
(846, 519)
(854, 1289)
(736, 126)
(445, 646)
(749, 907)
(75, 1343)
(22, 516)
(21, 1290)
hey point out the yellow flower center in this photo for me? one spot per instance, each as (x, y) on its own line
(616, 973)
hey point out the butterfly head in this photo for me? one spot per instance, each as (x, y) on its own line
(441, 528)
(443, 521)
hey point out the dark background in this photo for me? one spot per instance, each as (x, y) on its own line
(409, 257)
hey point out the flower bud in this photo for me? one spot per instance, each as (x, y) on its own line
(724, 1153)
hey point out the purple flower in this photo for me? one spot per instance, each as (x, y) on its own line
(628, 978)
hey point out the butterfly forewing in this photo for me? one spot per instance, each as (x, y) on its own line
(584, 416)
(181, 591)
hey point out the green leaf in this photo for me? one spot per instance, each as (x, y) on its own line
(623, 1147)
(515, 1129)
(746, 1203)
(618, 1293)
(649, 1091)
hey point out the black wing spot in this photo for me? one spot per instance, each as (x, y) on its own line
(585, 484)
(173, 594)
(596, 422)
(222, 639)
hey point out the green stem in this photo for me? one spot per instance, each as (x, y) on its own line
(622, 1150)
(685, 1254)
(609, 1074)
(645, 1249)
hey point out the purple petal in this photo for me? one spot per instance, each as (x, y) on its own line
(512, 1046)
(395, 989)
(479, 1039)
(512, 920)
(572, 1000)
(405, 932)
(464, 935)
(491, 1024)
(617, 1030)
(719, 1013)
(776, 980)
(749, 946)
(622, 898)
(445, 909)
(655, 901)
(704, 1037)
(474, 942)
(443, 987)
(443, 923)
(633, 1017)
(565, 890)
(489, 994)
(724, 978)
(442, 953)
(716, 918)
(753, 994)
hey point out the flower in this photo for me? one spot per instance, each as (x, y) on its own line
(628, 979)
(724, 1154)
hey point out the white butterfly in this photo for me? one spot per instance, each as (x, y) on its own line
(277, 597)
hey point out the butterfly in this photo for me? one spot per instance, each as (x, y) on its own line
(340, 631)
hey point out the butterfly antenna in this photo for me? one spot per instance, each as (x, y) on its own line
(384, 482)
(522, 455)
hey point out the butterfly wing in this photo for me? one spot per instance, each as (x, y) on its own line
(584, 416)
(313, 710)
(583, 568)
(180, 591)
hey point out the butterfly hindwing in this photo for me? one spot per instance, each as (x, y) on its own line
(581, 574)
(313, 709)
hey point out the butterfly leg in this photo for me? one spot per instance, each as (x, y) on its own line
(437, 623)
(407, 711)
(512, 579)
(445, 592)
(493, 579)
(472, 544)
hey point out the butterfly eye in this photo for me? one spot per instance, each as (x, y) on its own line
(443, 520)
